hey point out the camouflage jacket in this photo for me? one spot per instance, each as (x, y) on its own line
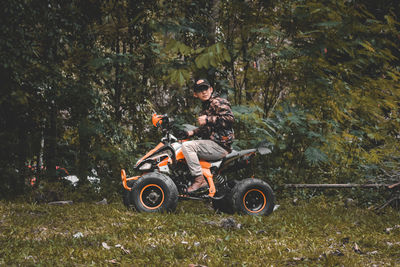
(219, 125)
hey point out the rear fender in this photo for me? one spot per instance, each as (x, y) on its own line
(237, 161)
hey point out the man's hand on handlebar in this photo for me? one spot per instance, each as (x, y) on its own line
(202, 120)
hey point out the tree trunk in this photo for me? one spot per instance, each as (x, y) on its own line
(84, 145)
(117, 84)
(245, 79)
(51, 144)
(212, 29)
(18, 182)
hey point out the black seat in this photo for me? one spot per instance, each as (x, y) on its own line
(235, 153)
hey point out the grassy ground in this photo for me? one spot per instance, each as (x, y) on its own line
(308, 233)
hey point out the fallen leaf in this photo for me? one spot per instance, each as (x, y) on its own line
(102, 202)
(127, 251)
(228, 223)
(104, 244)
(113, 261)
(389, 229)
(345, 240)
(337, 252)
(78, 235)
(357, 249)
(30, 257)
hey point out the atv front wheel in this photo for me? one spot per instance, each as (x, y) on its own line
(154, 192)
(126, 194)
(253, 197)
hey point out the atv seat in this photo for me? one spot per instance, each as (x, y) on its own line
(235, 153)
(230, 155)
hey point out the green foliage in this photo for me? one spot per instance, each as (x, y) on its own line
(316, 80)
(315, 156)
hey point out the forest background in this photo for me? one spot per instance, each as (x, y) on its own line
(317, 80)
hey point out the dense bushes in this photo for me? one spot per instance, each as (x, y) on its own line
(317, 81)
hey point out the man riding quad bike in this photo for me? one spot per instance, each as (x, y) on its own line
(165, 178)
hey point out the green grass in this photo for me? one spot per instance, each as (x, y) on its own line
(311, 233)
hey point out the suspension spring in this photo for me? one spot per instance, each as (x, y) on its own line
(218, 179)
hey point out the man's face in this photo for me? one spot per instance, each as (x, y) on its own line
(204, 95)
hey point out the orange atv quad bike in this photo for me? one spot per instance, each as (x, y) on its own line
(164, 178)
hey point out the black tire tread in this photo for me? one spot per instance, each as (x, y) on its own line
(246, 184)
(171, 192)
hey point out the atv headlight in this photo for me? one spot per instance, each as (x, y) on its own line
(145, 167)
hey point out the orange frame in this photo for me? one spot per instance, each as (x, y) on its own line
(124, 179)
(205, 166)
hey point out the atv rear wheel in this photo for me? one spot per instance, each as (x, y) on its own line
(253, 197)
(154, 192)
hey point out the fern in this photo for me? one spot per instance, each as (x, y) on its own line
(314, 156)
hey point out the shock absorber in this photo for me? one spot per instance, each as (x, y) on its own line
(219, 179)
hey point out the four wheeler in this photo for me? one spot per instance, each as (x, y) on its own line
(164, 178)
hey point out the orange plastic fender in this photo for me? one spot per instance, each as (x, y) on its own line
(150, 153)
